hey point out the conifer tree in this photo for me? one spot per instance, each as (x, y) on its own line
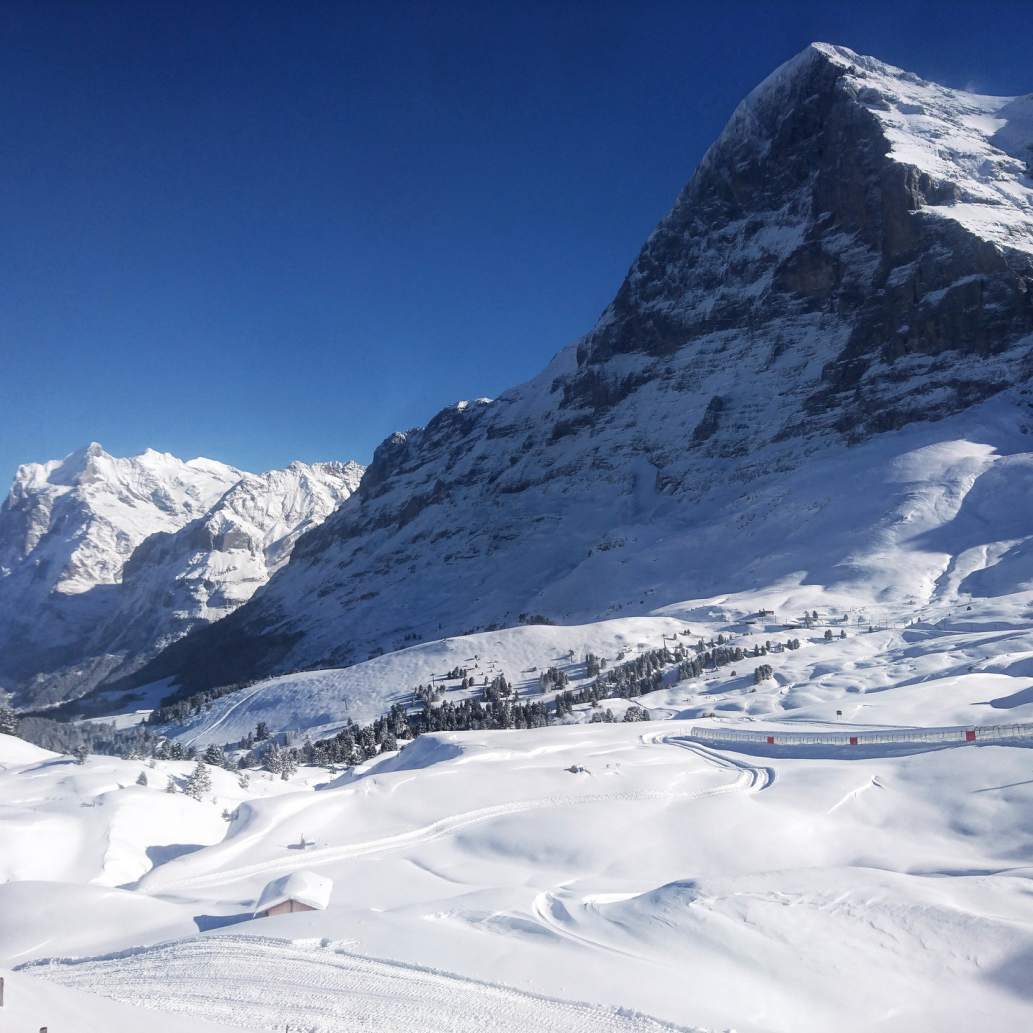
(8, 721)
(200, 781)
(214, 756)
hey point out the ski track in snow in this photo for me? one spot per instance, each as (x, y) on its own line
(756, 777)
(222, 717)
(259, 983)
(748, 777)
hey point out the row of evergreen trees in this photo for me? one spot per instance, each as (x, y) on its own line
(498, 707)
(178, 707)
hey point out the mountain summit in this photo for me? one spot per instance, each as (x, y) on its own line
(852, 258)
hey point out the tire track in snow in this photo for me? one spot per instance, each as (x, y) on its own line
(258, 983)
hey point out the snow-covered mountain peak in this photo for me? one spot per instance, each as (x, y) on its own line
(976, 150)
(103, 555)
(979, 148)
(73, 522)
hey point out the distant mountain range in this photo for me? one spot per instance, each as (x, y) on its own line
(104, 561)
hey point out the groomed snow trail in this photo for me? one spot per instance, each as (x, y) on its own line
(222, 717)
(755, 777)
(748, 778)
(259, 983)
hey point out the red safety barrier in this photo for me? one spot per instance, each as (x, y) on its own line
(970, 735)
(853, 740)
(771, 740)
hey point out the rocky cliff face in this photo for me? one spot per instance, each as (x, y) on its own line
(103, 561)
(853, 255)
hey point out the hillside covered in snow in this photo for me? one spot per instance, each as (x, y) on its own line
(624, 878)
(103, 560)
(835, 316)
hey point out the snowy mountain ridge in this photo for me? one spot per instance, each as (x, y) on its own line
(981, 146)
(850, 258)
(106, 559)
(79, 518)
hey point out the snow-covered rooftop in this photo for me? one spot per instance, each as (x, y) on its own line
(304, 887)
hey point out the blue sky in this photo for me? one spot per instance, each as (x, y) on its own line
(260, 232)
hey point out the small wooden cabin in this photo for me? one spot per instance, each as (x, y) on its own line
(299, 891)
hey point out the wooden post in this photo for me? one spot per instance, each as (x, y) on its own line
(1, 991)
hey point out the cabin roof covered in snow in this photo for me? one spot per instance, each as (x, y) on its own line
(304, 887)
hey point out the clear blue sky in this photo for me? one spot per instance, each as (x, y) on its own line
(260, 232)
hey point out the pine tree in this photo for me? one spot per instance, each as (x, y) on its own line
(8, 721)
(214, 756)
(200, 781)
(80, 753)
(170, 785)
(273, 760)
(141, 779)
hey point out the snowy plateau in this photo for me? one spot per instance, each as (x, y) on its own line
(688, 687)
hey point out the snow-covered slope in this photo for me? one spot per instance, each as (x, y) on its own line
(37, 1004)
(852, 257)
(923, 535)
(104, 560)
(982, 146)
(569, 878)
(319, 702)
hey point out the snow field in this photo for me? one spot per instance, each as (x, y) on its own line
(257, 983)
(92, 823)
(696, 885)
(30, 1004)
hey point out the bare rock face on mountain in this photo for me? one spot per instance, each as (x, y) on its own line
(853, 255)
(103, 561)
